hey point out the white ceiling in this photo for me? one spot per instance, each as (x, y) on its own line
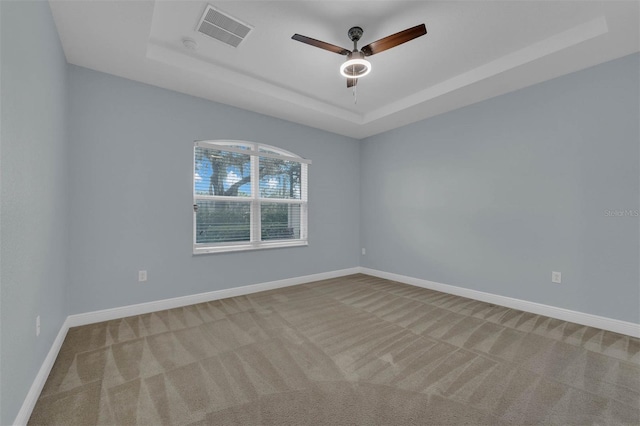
(473, 50)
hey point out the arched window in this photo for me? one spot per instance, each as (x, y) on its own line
(247, 196)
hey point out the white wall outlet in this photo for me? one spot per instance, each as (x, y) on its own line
(556, 277)
(364, 251)
(142, 276)
(37, 325)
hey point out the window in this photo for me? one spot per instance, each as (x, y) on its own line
(247, 196)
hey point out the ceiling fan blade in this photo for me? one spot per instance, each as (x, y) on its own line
(394, 40)
(321, 44)
(351, 82)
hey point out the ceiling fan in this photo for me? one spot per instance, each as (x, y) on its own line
(356, 65)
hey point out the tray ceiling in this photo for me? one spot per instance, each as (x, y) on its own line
(474, 50)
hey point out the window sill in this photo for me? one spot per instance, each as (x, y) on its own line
(197, 250)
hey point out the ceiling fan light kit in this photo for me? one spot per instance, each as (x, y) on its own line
(356, 65)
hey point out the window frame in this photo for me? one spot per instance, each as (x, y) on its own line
(255, 201)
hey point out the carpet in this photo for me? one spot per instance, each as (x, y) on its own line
(354, 350)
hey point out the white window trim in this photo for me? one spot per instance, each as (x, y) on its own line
(255, 200)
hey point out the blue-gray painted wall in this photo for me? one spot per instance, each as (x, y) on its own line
(34, 191)
(131, 194)
(495, 196)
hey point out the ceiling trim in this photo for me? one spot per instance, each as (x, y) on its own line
(564, 40)
(156, 51)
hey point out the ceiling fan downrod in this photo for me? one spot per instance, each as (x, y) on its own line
(355, 33)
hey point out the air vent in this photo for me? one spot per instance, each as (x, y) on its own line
(219, 25)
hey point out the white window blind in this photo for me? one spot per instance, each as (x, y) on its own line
(247, 196)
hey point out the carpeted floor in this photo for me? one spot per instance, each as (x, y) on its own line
(352, 350)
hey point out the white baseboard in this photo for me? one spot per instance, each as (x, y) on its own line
(38, 383)
(617, 326)
(176, 302)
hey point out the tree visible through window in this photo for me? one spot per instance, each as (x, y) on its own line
(248, 196)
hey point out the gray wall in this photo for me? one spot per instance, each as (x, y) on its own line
(495, 196)
(34, 193)
(131, 203)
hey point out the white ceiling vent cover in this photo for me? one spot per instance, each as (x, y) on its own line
(219, 25)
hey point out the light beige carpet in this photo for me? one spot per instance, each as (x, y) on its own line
(347, 351)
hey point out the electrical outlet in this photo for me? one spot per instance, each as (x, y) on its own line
(364, 251)
(556, 277)
(37, 325)
(142, 276)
